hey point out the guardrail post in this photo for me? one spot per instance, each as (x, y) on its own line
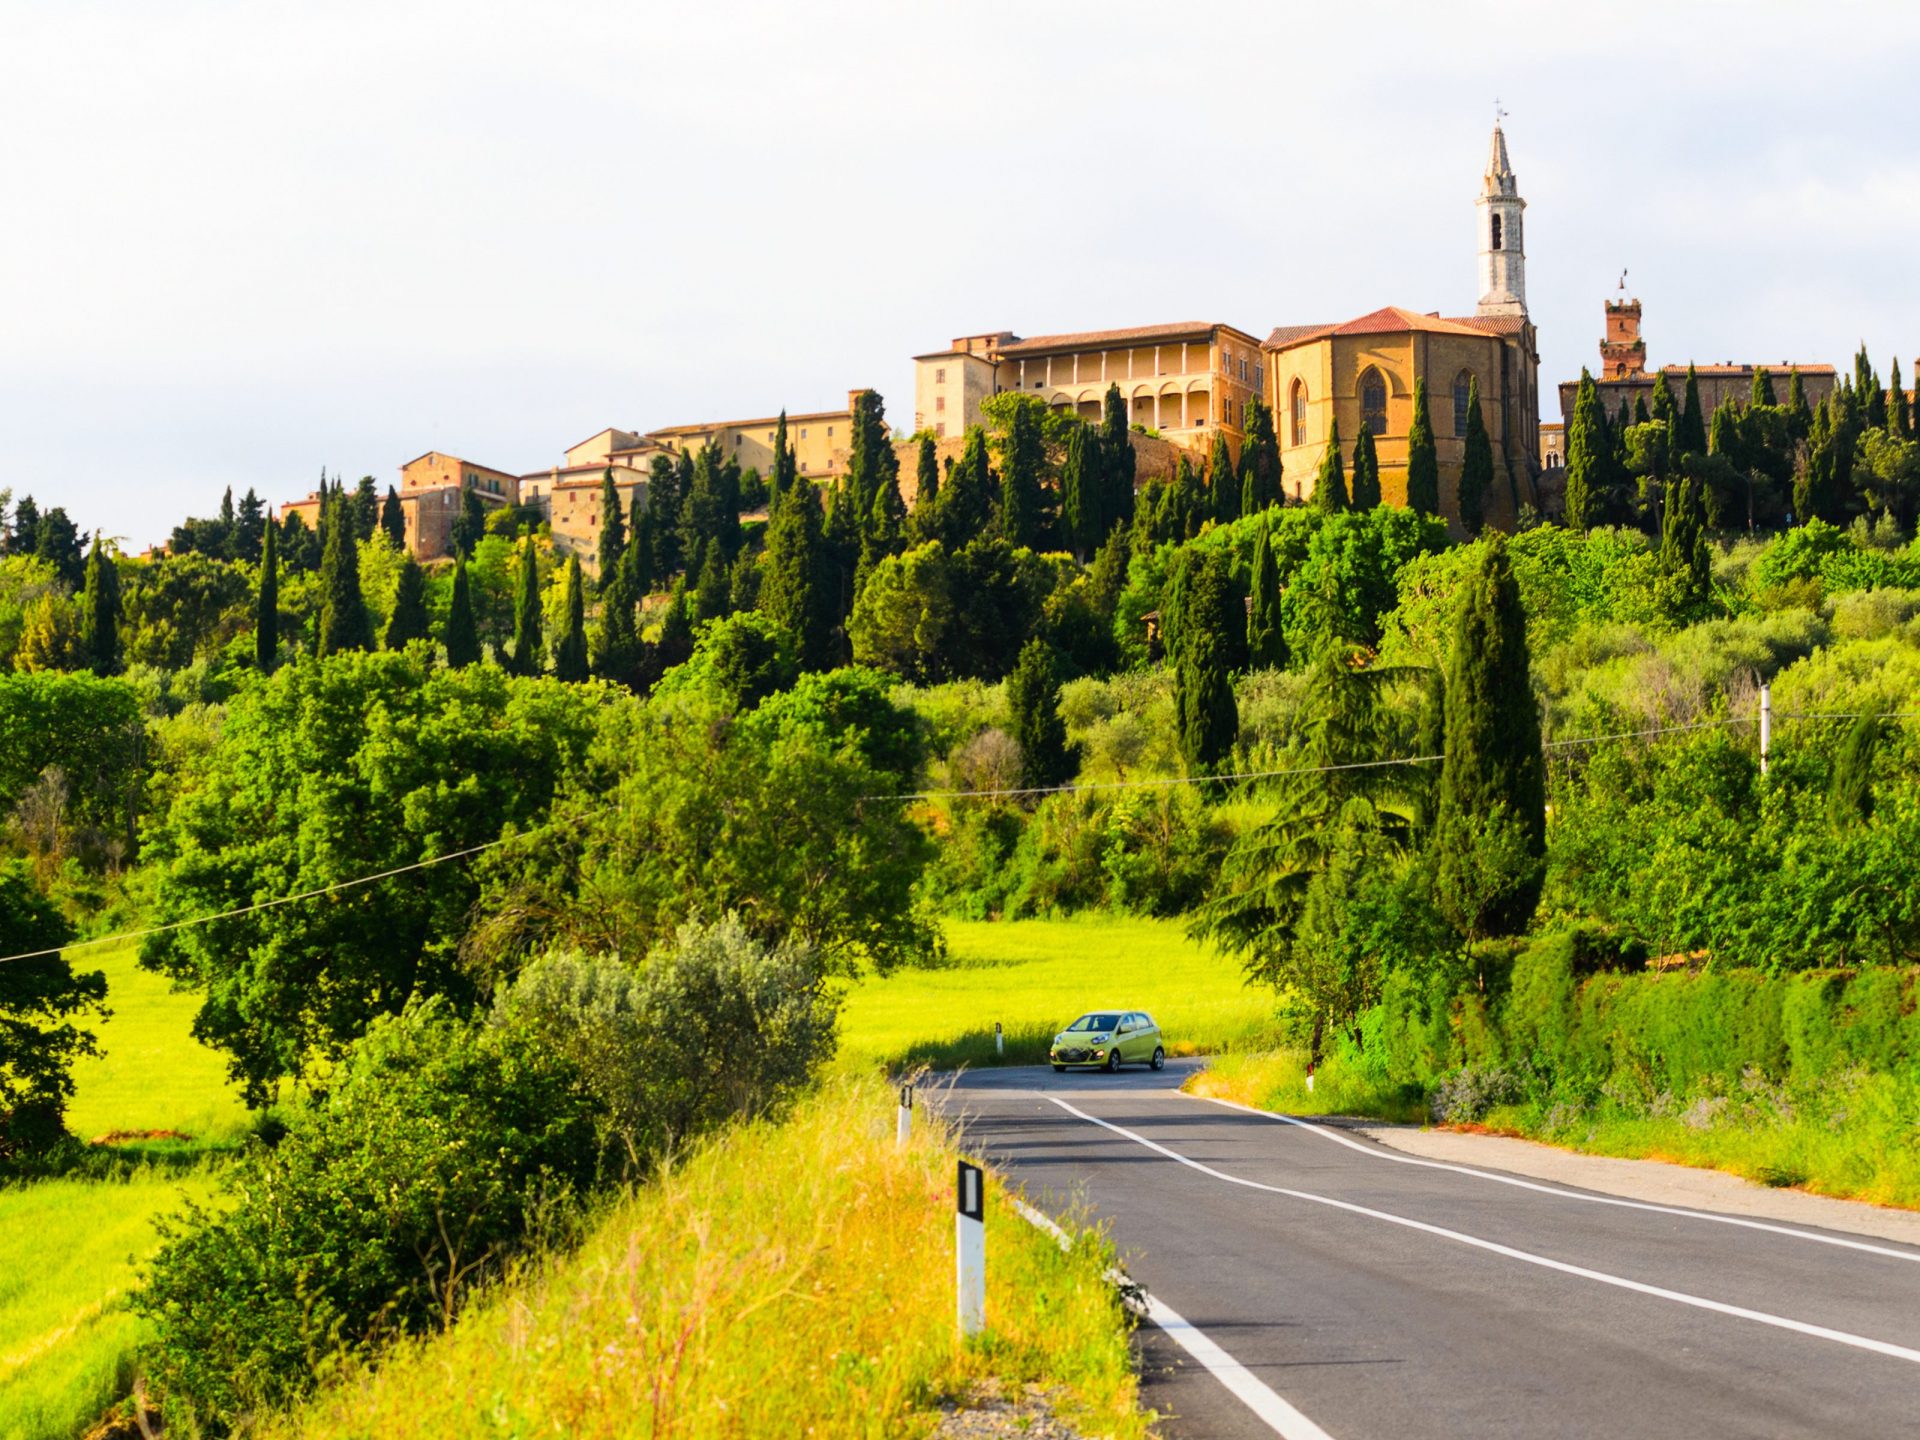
(970, 1249)
(999, 1041)
(904, 1129)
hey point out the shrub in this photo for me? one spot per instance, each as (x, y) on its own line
(440, 1151)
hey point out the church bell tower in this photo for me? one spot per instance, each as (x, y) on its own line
(1503, 255)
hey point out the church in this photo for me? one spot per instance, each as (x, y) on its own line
(1363, 372)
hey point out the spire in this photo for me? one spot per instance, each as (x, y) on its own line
(1499, 179)
(1503, 259)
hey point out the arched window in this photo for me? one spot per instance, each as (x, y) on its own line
(1496, 232)
(1462, 395)
(1299, 407)
(1373, 401)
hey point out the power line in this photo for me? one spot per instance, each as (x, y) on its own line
(1156, 783)
(1640, 734)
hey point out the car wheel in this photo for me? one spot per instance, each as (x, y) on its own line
(1159, 1058)
(1113, 1059)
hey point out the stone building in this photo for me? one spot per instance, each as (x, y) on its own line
(1182, 381)
(1623, 377)
(430, 487)
(820, 439)
(1363, 372)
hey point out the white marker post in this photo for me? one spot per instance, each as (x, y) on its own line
(1766, 724)
(999, 1041)
(904, 1132)
(970, 1249)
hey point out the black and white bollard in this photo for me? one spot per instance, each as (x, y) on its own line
(970, 1249)
(904, 1132)
(999, 1041)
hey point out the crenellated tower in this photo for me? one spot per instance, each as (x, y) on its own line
(1503, 255)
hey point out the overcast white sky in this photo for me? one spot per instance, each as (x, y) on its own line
(243, 241)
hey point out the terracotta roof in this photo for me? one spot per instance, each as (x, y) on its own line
(1781, 369)
(1392, 320)
(596, 472)
(1088, 339)
(470, 464)
(745, 424)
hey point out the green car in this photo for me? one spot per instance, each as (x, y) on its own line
(1109, 1039)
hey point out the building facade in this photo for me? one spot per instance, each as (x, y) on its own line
(1363, 374)
(1181, 381)
(821, 439)
(430, 489)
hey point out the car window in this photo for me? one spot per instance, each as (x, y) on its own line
(1126, 1023)
(1094, 1022)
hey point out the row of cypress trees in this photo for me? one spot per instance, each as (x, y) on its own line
(1333, 492)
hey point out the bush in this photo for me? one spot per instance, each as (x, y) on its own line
(442, 1150)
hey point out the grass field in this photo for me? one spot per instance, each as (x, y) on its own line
(790, 1279)
(69, 1248)
(1033, 976)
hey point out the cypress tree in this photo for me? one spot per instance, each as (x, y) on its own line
(1330, 485)
(1259, 459)
(676, 629)
(1208, 614)
(1585, 473)
(1366, 472)
(1899, 425)
(393, 519)
(1117, 460)
(366, 509)
(1640, 416)
(1080, 516)
(871, 463)
(1683, 545)
(1662, 407)
(1490, 835)
(266, 615)
(344, 624)
(886, 517)
(1476, 465)
(616, 641)
(640, 546)
(1266, 645)
(712, 594)
(923, 522)
(1222, 482)
(1850, 791)
(469, 525)
(570, 655)
(663, 504)
(727, 488)
(226, 548)
(1033, 698)
(1423, 461)
(100, 612)
(1797, 408)
(1692, 436)
(781, 477)
(409, 618)
(965, 501)
(529, 652)
(701, 520)
(1763, 385)
(613, 529)
(1022, 461)
(461, 639)
(249, 528)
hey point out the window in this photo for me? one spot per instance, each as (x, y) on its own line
(1299, 408)
(803, 432)
(1462, 394)
(939, 377)
(1496, 232)
(736, 442)
(940, 428)
(803, 467)
(1373, 401)
(1243, 367)
(1259, 375)
(829, 432)
(939, 402)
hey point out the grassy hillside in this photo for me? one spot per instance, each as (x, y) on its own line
(786, 1279)
(1033, 976)
(69, 1248)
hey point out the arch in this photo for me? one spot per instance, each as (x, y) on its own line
(1297, 412)
(1373, 401)
(1496, 233)
(1462, 396)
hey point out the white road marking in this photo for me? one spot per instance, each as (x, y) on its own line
(1256, 1395)
(1379, 1152)
(1679, 1297)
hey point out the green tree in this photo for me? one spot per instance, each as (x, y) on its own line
(786, 469)
(1423, 461)
(616, 641)
(1081, 518)
(923, 522)
(44, 1010)
(470, 525)
(1117, 459)
(1899, 423)
(966, 501)
(57, 542)
(1259, 459)
(1330, 484)
(1490, 833)
(266, 620)
(249, 526)
(365, 509)
(1266, 644)
(462, 639)
(1797, 405)
(886, 519)
(393, 518)
(793, 593)
(613, 529)
(1684, 555)
(1033, 700)
(1762, 393)
(1585, 461)
(663, 504)
(701, 511)
(570, 655)
(871, 463)
(529, 653)
(1209, 623)
(100, 612)
(408, 622)
(713, 594)
(1476, 465)
(1223, 485)
(1023, 460)
(1366, 472)
(1691, 438)
(344, 622)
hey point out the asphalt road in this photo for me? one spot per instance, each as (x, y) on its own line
(1380, 1296)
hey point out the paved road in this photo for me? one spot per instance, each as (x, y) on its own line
(1383, 1296)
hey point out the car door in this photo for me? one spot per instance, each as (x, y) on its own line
(1139, 1044)
(1148, 1035)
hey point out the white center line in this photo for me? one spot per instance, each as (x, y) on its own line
(1678, 1297)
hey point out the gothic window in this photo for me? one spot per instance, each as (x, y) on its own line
(1496, 232)
(1462, 390)
(1373, 401)
(1299, 407)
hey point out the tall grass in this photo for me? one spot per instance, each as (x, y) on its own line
(1033, 976)
(1277, 1080)
(785, 1279)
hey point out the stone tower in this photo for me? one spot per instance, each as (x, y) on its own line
(1623, 354)
(1503, 254)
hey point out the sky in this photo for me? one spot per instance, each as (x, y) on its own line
(246, 242)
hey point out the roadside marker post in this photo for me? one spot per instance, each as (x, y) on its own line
(1766, 724)
(999, 1041)
(970, 1249)
(904, 1130)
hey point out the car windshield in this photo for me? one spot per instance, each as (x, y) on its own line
(1095, 1022)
